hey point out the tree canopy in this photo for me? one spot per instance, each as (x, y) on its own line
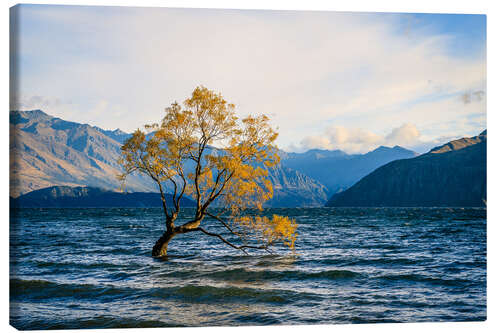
(204, 151)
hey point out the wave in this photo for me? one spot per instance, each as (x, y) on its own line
(212, 294)
(40, 289)
(97, 322)
(426, 279)
(246, 275)
(390, 261)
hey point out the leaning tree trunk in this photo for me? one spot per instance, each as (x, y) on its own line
(161, 245)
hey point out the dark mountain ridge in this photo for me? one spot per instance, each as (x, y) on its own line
(86, 197)
(451, 175)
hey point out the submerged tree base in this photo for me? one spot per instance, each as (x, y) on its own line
(161, 245)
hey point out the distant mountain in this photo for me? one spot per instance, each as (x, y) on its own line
(337, 170)
(450, 175)
(47, 151)
(72, 197)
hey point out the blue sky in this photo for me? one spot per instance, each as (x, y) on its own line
(328, 80)
(469, 31)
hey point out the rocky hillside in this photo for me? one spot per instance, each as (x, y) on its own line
(71, 197)
(47, 151)
(450, 175)
(289, 186)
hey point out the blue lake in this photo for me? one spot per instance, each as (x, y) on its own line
(91, 268)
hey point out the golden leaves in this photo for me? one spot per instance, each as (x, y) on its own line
(278, 228)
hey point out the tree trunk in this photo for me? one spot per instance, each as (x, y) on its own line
(160, 248)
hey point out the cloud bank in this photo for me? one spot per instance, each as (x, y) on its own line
(361, 75)
(357, 140)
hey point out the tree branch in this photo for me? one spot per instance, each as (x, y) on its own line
(217, 180)
(224, 224)
(241, 247)
(181, 173)
(212, 196)
(201, 148)
(160, 187)
(174, 195)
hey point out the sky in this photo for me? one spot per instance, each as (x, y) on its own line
(328, 80)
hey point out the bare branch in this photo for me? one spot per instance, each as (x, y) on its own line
(217, 180)
(175, 194)
(181, 173)
(224, 224)
(217, 194)
(241, 247)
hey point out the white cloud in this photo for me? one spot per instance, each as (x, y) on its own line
(351, 140)
(33, 102)
(405, 135)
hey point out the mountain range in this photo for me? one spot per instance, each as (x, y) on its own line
(451, 175)
(337, 170)
(48, 151)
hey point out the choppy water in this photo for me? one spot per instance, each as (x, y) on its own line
(91, 268)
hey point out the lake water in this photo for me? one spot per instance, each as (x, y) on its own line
(91, 268)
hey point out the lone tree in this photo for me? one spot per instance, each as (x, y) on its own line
(203, 151)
